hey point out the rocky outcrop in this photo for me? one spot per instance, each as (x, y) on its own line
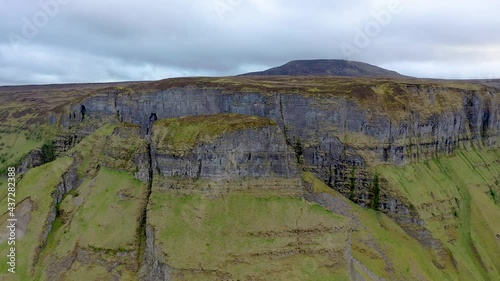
(154, 267)
(113, 262)
(126, 150)
(243, 153)
(32, 160)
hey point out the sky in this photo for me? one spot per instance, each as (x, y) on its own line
(67, 41)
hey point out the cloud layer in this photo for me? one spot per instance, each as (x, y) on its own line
(60, 41)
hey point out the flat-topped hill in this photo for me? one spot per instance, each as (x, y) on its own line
(329, 68)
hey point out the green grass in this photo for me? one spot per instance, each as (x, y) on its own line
(109, 204)
(249, 236)
(14, 147)
(109, 201)
(84, 272)
(180, 135)
(113, 146)
(452, 195)
(409, 260)
(38, 185)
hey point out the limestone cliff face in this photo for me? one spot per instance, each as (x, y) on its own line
(251, 149)
(337, 134)
(247, 153)
(397, 128)
(332, 131)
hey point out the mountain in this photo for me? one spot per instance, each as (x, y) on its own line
(252, 178)
(328, 68)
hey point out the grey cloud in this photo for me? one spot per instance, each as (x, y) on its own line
(126, 40)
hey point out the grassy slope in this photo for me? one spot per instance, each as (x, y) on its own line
(468, 229)
(37, 184)
(245, 236)
(108, 201)
(14, 146)
(456, 198)
(109, 204)
(407, 259)
(98, 207)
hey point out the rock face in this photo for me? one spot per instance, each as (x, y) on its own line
(224, 152)
(258, 152)
(126, 150)
(108, 159)
(333, 133)
(337, 133)
(154, 268)
(397, 127)
(215, 155)
(32, 160)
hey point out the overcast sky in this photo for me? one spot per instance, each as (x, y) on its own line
(60, 41)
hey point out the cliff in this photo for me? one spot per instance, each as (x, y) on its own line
(205, 179)
(338, 127)
(226, 146)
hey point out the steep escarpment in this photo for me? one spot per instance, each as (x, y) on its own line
(216, 176)
(94, 189)
(225, 146)
(200, 179)
(337, 127)
(42, 196)
(400, 122)
(456, 198)
(217, 154)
